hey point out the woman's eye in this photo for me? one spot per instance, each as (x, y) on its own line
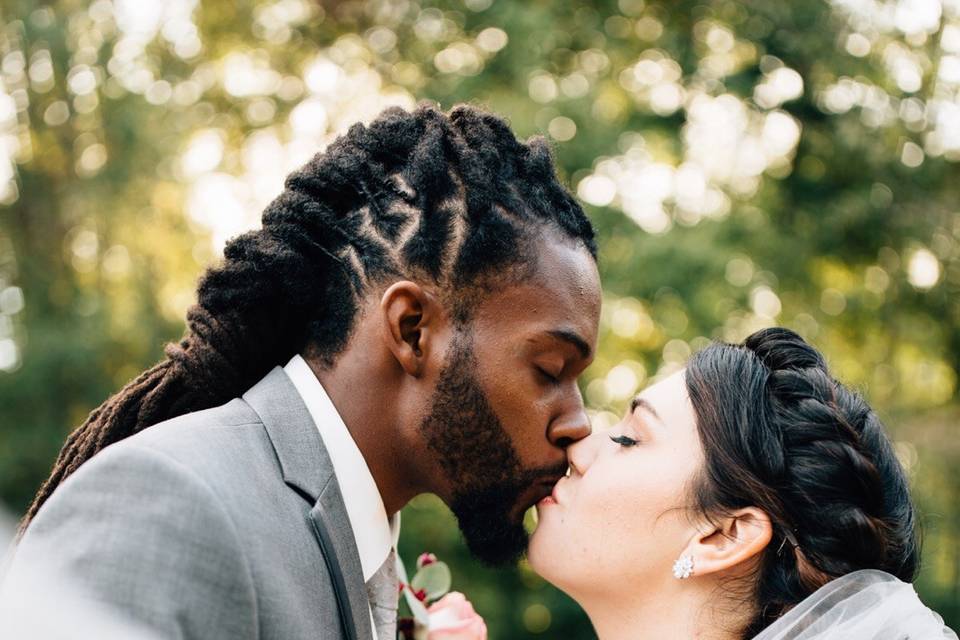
(625, 441)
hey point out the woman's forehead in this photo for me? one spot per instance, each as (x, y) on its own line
(669, 400)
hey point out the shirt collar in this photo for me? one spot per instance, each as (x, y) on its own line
(374, 532)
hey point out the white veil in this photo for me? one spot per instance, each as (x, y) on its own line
(863, 605)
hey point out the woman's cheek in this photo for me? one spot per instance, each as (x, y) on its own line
(625, 507)
(599, 526)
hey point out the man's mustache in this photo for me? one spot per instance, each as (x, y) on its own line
(516, 483)
(545, 474)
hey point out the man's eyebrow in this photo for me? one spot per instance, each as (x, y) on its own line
(639, 402)
(573, 338)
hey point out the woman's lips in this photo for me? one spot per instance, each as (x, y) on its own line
(553, 498)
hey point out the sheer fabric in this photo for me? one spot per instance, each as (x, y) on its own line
(867, 605)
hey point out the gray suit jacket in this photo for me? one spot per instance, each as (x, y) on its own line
(224, 523)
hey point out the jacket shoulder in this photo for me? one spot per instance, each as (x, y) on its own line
(134, 531)
(224, 426)
(226, 446)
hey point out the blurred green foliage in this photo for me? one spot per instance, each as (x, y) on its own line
(747, 164)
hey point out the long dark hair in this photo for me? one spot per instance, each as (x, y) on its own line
(451, 199)
(779, 433)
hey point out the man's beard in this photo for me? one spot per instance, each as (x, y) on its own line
(479, 461)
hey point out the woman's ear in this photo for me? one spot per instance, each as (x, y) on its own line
(411, 317)
(730, 543)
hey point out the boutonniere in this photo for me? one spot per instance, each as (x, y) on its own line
(436, 612)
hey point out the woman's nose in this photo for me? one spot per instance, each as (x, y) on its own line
(582, 453)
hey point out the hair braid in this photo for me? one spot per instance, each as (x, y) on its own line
(454, 199)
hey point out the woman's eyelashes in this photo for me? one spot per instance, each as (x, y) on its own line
(625, 441)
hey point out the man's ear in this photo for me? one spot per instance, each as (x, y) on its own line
(411, 317)
(731, 543)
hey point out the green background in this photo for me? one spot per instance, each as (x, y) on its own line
(746, 164)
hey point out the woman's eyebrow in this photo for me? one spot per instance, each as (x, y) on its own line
(640, 403)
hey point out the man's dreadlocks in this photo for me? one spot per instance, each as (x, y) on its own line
(454, 199)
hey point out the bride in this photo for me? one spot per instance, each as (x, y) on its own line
(748, 496)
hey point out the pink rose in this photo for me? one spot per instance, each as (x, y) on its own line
(452, 618)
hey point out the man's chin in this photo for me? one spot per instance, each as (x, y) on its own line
(495, 536)
(504, 547)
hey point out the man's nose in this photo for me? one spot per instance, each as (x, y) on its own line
(570, 428)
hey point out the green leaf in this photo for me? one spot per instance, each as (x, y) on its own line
(434, 578)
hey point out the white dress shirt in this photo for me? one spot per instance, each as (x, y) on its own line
(374, 532)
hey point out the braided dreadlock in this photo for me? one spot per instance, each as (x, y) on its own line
(454, 199)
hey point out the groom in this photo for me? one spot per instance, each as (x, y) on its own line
(412, 317)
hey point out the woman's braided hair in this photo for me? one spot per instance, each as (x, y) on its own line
(454, 199)
(779, 433)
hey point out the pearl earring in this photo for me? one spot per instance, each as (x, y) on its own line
(683, 567)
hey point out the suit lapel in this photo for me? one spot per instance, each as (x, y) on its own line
(329, 519)
(307, 469)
